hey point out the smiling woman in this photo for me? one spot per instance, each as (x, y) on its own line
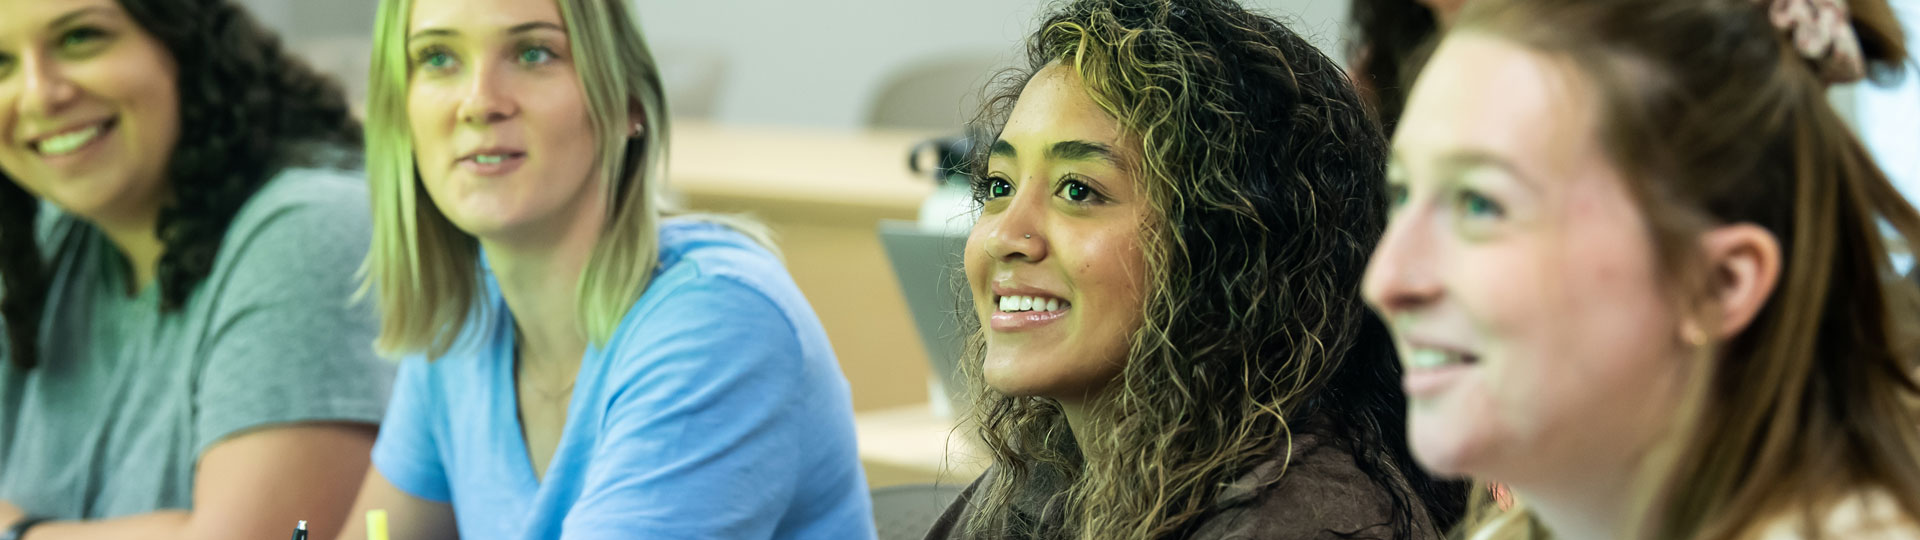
(580, 360)
(176, 243)
(1656, 296)
(1175, 212)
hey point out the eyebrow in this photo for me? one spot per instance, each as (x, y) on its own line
(516, 29)
(1066, 151)
(64, 20)
(1455, 162)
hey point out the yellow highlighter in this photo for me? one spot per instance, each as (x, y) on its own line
(376, 525)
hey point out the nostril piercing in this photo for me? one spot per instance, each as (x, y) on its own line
(1029, 237)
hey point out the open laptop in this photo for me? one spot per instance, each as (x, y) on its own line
(928, 266)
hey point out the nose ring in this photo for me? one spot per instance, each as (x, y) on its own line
(1029, 237)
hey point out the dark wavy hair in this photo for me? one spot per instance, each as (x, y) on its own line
(1266, 177)
(246, 103)
(1390, 40)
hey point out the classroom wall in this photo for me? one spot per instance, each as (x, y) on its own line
(816, 63)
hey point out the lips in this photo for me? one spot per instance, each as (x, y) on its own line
(1431, 369)
(492, 161)
(71, 139)
(1018, 308)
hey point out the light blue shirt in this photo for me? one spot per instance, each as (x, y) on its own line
(717, 410)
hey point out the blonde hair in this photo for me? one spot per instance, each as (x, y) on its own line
(426, 270)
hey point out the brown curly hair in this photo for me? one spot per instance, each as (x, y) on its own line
(246, 104)
(1266, 177)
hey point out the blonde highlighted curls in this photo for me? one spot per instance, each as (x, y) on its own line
(1266, 179)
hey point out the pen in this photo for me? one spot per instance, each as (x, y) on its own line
(376, 525)
(300, 531)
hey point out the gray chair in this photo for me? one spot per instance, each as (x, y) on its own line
(906, 512)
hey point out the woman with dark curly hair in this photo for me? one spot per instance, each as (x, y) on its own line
(177, 248)
(1177, 207)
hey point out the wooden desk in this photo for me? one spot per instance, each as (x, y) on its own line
(823, 192)
(910, 445)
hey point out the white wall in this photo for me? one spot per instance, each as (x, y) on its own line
(792, 62)
(821, 62)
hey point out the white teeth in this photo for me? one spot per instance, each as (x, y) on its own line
(488, 159)
(63, 144)
(1029, 303)
(1429, 358)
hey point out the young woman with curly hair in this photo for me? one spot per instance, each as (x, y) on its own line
(1178, 201)
(177, 248)
(1643, 272)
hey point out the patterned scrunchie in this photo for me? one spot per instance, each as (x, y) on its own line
(1823, 33)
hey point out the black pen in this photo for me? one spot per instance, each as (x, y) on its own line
(300, 531)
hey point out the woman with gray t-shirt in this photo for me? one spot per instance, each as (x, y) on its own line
(177, 248)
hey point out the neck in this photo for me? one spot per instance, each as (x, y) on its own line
(1083, 425)
(538, 278)
(1596, 509)
(138, 240)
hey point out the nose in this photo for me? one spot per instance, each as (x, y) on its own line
(1019, 232)
(46, 89)
(1403, 274)
(487, 100)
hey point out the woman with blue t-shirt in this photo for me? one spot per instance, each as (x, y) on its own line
(578, 363)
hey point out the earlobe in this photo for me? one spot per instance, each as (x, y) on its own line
(636, 120)
(1745, 263)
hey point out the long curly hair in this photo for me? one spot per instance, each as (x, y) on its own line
(1390, 40)
(1266, 177)
(246, 103)
(1714, 117)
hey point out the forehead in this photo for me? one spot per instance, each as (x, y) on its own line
(1486, 94)
(1055, 106)
(474, 16)
(31, 16)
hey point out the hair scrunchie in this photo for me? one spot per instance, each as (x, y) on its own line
(1822, 31)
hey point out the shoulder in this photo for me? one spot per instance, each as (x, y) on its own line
(711, 273)
(1865, 515)
(334, 195)
(301, 220)
(1317, 492)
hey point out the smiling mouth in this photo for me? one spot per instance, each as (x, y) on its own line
(1428, 359)
(72, 140)
(1024, 304)
(493, 159)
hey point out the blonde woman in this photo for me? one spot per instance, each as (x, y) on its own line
(1637, 265)
(576, 365)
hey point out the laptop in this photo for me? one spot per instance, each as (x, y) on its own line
(928, 266)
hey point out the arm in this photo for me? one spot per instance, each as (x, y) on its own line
(253, 485)
(408, 517)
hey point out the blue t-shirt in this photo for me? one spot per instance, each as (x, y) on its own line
(717, 410)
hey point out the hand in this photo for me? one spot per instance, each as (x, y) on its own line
(10, 514)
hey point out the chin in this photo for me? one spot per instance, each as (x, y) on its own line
(1442, 448)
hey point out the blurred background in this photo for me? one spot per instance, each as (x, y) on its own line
(803, 114)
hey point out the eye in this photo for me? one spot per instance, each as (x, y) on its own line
(996, 188)
(80, 36)
(434, 59)
(6, 65)
(536, 55)
(1396, 196)
(1077, 191)
(1476, 205)
(81, 41)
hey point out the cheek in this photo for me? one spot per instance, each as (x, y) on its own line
(430, 112)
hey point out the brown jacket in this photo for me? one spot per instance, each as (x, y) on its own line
(1323, 496)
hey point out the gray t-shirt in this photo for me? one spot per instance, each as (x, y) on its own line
(126, 398)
